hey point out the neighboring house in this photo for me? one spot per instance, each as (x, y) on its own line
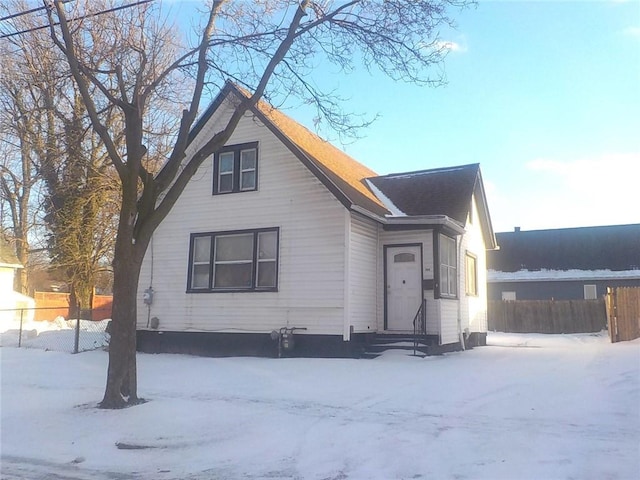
(281, 229)
(11, 301)
(564, 264)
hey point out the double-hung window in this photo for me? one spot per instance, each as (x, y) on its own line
(471, 274)
(244, 260)
(235, 169)
(448, 266)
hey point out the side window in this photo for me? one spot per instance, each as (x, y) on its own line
(448, 266)
(471, 274)
(235, 169)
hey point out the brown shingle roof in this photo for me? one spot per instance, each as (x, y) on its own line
(343, 171)
(445, 191)
(341, 174)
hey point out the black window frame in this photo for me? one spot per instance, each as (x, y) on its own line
(254, 262)
(236, 150)
(439, 293)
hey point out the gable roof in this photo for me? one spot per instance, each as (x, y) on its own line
(439, 191)
(614, 247)
(444, 193)
(339, 172)
(7, 255)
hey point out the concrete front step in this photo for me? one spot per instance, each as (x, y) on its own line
(384, 342)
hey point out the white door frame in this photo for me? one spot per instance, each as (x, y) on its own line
(388, 325)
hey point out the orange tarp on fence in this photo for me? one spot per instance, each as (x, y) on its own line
(50, 305)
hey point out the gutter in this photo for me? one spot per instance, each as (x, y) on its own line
(425, 220)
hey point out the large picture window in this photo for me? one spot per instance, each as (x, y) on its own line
(448, 266)
(233, 261)
(235, 169)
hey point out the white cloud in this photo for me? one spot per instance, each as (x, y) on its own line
(557, 193)
(450, 45)
(603, 173)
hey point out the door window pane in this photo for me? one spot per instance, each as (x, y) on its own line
(404, 257)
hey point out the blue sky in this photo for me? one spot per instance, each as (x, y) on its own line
(544, 95)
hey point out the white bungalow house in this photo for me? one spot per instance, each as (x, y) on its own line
(11, 302)
(282, 230)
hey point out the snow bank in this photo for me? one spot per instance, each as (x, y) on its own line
(526, 407)
(56, 335)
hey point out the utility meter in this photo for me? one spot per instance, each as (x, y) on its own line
(147, 296)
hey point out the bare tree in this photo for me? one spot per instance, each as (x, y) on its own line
(20, 133)
(271, 47)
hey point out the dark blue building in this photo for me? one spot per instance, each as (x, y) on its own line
(563, 264)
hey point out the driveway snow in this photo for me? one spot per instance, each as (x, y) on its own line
(525, 407)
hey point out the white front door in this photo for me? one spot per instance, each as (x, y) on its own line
(403, 286)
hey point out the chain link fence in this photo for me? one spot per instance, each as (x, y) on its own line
(19, 328)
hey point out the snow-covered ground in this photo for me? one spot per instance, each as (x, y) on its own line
(525, 407)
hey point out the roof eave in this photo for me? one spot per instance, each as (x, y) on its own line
(417, 220)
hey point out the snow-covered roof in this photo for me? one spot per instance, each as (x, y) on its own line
(386, 201)
(544, 275)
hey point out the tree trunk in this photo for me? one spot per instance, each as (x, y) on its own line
(121, 388)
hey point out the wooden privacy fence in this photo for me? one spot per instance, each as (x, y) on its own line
(50, 305)
(547, 316)
(623, 313)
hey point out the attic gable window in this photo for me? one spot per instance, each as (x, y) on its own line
(245, 260)
(235, 169)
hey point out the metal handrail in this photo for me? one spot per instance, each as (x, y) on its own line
(419, 325)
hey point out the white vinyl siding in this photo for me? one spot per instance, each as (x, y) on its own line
(473, 308)
(363, 274)
(311, 226)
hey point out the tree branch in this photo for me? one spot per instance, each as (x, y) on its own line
(68, 49)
